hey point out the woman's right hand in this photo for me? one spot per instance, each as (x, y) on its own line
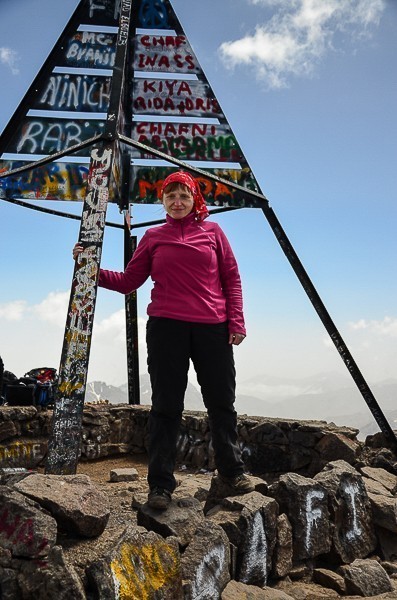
(77, 250)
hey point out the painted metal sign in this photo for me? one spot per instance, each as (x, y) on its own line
(69, 102)
(87, 49)
(55, 181)
(169, 97)
(164, 53)
(66, 104)
(147, 182)
(176, 112)
(189, 141)
(71, 92)
(43, 136)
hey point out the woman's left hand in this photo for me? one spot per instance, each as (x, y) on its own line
(236, 338)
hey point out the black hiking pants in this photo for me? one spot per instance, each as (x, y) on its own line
(171, 344)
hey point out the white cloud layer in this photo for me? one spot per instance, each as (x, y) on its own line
(386, 327)
(298, 35)
(9, 58)
(50, 310)
(32, 336)
(53, 308)
(13, 311)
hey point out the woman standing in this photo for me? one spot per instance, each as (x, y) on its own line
(195, 313)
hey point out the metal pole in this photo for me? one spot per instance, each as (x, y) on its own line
(103, 181)
(131, 320)
(65, 436)
(329, 325)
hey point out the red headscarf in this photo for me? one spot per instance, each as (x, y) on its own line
(200, 208)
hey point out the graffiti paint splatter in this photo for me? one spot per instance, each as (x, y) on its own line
(313, 515)
(253, 567)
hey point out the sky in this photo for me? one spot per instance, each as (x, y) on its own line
(309, 88)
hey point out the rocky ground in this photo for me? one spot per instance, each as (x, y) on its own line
(126, 497)
(124, 500)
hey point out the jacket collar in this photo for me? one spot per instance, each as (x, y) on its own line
(188, 220)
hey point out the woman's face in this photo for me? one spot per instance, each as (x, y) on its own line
(178, 201)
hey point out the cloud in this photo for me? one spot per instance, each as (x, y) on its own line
(13, 311)
(32, 336)
(108, 360)
(387, 327)
(50, 310)
(114, 326)
(53, 308)
(297, 36)
(10, 58)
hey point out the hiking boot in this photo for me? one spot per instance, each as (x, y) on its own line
(241, 484)
(159, 498)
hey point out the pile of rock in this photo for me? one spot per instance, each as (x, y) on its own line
(327, 536)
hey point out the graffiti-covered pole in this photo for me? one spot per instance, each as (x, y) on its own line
(65, 436)
(103, 181)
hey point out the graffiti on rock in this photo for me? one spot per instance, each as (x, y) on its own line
(15, 530)
(313, 515)
(208, 573)
(143, 571)
(352, 493)
(21, 453)
(253, 567)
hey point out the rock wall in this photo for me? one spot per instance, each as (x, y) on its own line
(269, 445)
(321, 523)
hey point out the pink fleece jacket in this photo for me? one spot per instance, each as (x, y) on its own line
(194, 271)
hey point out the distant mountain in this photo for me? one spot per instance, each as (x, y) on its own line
(365, 422)
(328, 397)
(98, 390)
